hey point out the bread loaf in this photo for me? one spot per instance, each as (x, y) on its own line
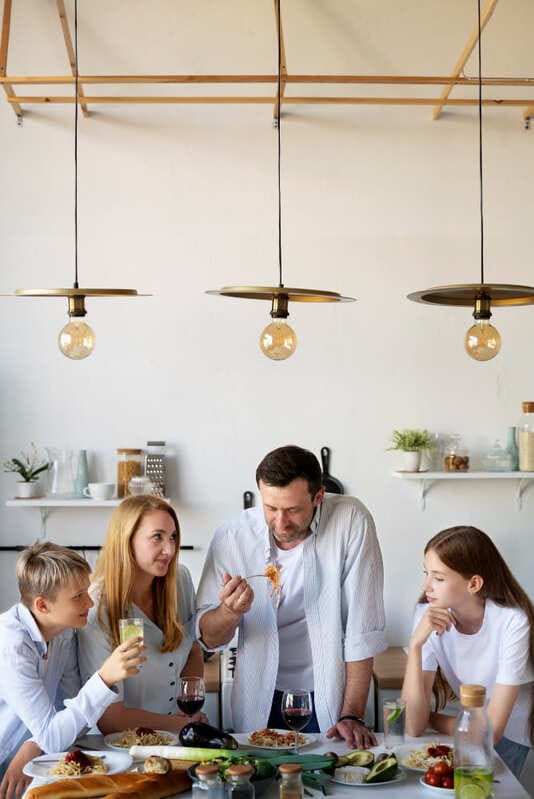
(131, 784)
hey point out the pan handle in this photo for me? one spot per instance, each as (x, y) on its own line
(325, 459)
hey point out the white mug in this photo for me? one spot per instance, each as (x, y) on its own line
(99, 490)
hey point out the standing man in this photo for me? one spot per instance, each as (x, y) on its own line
(330, 621)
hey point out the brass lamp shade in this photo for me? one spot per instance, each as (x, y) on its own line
(270, 292)
(76, 292)
(466, 294)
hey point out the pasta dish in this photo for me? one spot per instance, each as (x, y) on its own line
(272, 738)
(75, 763)
(143, 736)
(272, 573)
(429, 755)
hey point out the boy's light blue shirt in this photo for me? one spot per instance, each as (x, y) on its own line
(40, 695)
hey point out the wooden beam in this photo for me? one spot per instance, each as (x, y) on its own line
(283, 62)
(70, 53)
(4, 44)
(383, 80)
(466, 52)
(242, 100)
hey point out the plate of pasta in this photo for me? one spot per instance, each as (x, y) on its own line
(77, 763)
(420, 758)
(140, 736)
(274, 739)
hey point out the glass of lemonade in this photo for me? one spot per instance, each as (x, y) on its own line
(131, 628)
(394, 722)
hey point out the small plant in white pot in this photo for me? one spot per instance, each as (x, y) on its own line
(29, 466)
(411, 443)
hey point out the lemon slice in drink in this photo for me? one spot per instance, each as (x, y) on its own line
(472, 791)
(394, 715)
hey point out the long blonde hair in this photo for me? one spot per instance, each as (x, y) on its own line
(115, 570)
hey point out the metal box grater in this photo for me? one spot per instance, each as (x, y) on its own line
(155, 468)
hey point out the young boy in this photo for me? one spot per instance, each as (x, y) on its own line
(40, 695)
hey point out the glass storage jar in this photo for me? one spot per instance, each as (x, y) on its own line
(525, 437)
(455, 458)
(129, 464)
(291, 781)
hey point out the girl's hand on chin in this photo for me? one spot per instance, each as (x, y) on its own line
(438, 620)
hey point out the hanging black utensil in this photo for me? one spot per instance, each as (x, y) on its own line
(331, 484)
(248, 500)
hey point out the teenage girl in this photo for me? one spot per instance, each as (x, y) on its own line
(473, 624)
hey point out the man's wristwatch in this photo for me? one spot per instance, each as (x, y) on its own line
(353, 718)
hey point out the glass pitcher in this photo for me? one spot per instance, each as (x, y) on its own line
(61, 474)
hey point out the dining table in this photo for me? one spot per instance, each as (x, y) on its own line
(506, 786)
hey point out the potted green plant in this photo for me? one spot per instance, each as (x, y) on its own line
(411, 443)
(29, 466)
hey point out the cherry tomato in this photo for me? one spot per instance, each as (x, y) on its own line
(441, 769)
(433, 779)
(447, 782)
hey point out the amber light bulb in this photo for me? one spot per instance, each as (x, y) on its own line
(76, 340)
(482, 341)
(278, 340)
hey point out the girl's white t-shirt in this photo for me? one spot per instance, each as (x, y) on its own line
(295, 669)
(497, 654)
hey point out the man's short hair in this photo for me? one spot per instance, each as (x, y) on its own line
(285, 464)
(44, 568)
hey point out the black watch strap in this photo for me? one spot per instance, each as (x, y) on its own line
(353, 718)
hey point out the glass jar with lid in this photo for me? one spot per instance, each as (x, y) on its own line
(455, 457)
(291, 781)
(208, 785)
(498, 459)
(525, 438)
(129, 464)
(238, 784)
(140, 485)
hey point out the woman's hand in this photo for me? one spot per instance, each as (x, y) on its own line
(15, 782)
(438, 620)
(183, 719)
(123, 662)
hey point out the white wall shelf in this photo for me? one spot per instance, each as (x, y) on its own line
(45, 504)
(427, 480)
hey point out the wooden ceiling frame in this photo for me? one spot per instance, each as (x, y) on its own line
(17, 101)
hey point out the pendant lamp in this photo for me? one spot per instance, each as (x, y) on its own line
(482, 341)
(77, 339)
(278, 340)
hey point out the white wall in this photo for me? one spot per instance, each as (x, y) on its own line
(174, 200)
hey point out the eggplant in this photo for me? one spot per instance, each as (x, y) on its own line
(199, 734)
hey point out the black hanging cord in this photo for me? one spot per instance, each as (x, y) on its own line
(278, 104)
(480, 145)
(76, 285)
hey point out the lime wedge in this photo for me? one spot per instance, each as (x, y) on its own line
(394, 715)
(472, 791)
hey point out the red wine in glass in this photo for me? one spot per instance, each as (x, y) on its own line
(296, 718)
(296, 711)
(190, 695)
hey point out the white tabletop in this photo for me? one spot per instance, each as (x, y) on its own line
(506, 787)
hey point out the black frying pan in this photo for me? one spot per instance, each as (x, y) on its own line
(330, 483)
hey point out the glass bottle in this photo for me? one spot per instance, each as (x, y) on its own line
(238, 784)
(291, 781)
(498, 459)
(473, 746)
(511, 448)
(209, 784)
(129, 464)
(525, 430)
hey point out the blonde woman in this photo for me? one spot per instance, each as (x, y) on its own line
(137, 575)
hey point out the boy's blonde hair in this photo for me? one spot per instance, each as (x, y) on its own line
(44, 568)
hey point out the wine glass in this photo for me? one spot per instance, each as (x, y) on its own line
(296, 711)
(190, 695)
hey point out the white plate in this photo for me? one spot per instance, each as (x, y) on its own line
(399, 776)
(243, 740)
(115, 762)
(111, 740)
(442, 791)
(402, 752)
